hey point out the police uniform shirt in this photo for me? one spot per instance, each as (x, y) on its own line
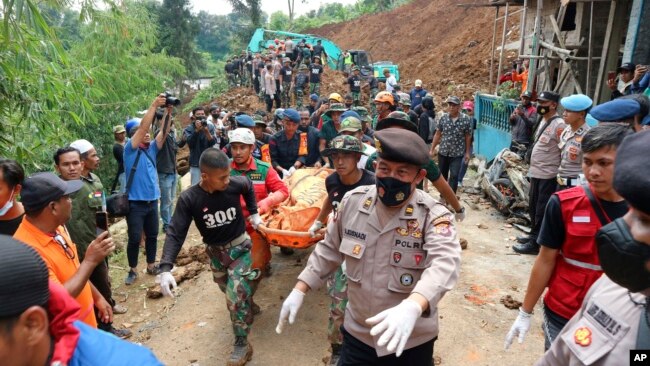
(336, 189)
(602, 332)
(571, 146)
(545, 158)
(218, 216)
(417, 250)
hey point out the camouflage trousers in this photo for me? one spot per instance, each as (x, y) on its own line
(231, 270)
(356, 98)
(232, 82)
(314, 88)
(299, 94)
(337, 289)
(373, 94)
(286, 95)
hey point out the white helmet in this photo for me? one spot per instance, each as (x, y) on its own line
(242, 135)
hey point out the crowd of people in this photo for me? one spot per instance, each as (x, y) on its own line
(390, 250)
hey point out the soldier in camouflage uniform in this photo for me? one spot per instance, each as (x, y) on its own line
(300, 84)
(286, 77)
(214, 206)
(345, 153)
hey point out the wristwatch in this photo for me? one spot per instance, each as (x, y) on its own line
(462, 210)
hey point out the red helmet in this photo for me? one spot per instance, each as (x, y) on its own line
(276, 41)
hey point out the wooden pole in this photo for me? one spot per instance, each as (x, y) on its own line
(556, 30)
(532, 66)
(494, 39)
(590, 48)
(522, 29)
(503, 45)
(600, 78)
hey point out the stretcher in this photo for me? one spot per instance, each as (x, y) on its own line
(287, 224)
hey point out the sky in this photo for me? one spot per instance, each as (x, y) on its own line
(222, 7)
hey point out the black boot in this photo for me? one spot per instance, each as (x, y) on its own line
(242, 352)
(528, 248)
(523, 239)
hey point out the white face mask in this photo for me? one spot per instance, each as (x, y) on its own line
(8, 205)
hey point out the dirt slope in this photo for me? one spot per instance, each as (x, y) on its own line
(445, 45)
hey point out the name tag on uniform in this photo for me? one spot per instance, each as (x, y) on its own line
(581, 216)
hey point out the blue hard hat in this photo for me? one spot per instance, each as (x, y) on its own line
(314, 97)
(576, 103)
(292, 115)
(616, 110)
(244, 120)
(350, 114)
(133, 122)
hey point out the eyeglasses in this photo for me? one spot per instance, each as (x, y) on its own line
(66, 248)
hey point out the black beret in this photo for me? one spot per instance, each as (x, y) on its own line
(23, 278)
(631, 179)
(401, 146)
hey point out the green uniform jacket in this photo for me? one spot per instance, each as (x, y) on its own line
(85, 203)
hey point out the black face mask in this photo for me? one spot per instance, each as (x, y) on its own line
(303, 128)
(392, 192)
(215, 116)
(622, 258)
(542, 110)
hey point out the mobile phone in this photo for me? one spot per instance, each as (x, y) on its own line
(101, 222)
(611, 75)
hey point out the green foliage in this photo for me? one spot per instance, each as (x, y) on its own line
(279, 21)
(506, 91)
(51, 95)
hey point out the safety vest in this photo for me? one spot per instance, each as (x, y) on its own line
(302, 149)
(577, 266)
(266, 153)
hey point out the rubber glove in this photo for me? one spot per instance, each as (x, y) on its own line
(395, 325)
(292, 170)
(520, 327)
(167, 282)
(255, 220)
(290, 308)
(285, 173)
(317, 225)
(460, 215)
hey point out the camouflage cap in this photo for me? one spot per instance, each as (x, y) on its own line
(397, 119)
(355, 68)
(350, 124)
(363, 113)
(343, 143)
(336, 107)
(405, 100)
(302, 67)
(259, 120)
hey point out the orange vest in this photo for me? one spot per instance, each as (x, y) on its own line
(302, 149)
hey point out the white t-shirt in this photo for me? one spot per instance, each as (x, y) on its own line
(367, 151)
(390, 83)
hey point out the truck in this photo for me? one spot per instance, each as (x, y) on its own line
(263, 38)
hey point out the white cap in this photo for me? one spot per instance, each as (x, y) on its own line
(82, 145)
(242, 135)
(418, 82)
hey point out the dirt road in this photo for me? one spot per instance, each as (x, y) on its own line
(194, 328)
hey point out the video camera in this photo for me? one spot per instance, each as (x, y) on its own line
(171, 100)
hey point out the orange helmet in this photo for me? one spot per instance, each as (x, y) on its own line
(385, 97)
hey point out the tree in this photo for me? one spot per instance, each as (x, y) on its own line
(279, 21)
(251, 8)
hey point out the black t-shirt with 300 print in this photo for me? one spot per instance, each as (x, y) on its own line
(336, 190)
(217, 215)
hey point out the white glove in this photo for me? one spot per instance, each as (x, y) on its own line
(395, 325)
(317, 225)
(255, 220)
(460, 215)
(285, 173)
(292, 170)
(290, 308)
(519, 327)
(166, 281)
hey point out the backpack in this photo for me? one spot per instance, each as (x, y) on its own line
(432, 127)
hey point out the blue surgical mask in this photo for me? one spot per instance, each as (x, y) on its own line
(8, 205)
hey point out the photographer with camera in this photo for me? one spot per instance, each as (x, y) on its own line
(199, 135)
(144, 192)
(522, 120)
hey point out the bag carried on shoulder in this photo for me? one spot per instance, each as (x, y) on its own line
(117, 204)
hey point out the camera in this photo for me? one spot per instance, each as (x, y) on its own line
(171, 100)
(204, 121)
